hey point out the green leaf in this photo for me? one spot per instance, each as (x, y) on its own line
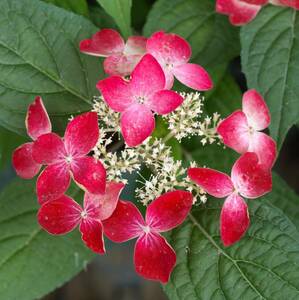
(270, 58)
(8, 142)
(212, 38)
(100, 18)
(263, 265)
(32, 261)
(120, 11)
(79, 6)
(40, 56)
(225, 98)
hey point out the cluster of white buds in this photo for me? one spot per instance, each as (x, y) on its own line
(110, 119)
(167, 173)
(185, 121)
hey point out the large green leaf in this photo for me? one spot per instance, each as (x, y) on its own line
(212, 38)
(79, 6)
(39, 55)
(263, 265)
(225, 98)
(270, 58)
(120, 11)
(8, 142)
(32, 262)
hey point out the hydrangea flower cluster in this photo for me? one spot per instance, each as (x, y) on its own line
(241, 12)
(101, 146)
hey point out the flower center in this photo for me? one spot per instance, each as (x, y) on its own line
(146, 229)
(68, 159)
(140, 99)
(84, 214)
(169, 66)
(251, 130)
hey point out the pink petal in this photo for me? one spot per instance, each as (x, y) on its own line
(154, 258)
(193, 76)
(82, 134)
(264, 147)
(240, 12)
(234, 131)
(92, 235)
(169, 210)
(291, 3)
(24, 164)
(163, 102)
(89, 174)
(125, 223)
(168, 48)
(256, 110)
(234, 219)
(103, 43)
(215, 183)
(116, 92)
(101, 207)
(257, 2)
(52, 182)
(37, 119)
(251, 179)
(147, 78)
(48, 149)
(59, 216)
(135, 45)
(137, 124)
(169, 78)
(120, 64)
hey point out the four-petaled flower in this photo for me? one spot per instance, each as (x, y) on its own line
(173, 54)
(241, 130)
(154, 258)
(249, 179)
(37, 123)
(137, 98)
(121, 57)
(62, 215)
(68, 157)
(241, 12)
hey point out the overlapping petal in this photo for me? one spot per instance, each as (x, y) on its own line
(250, 178)
(89, 174)
(137, 124)
(101, 207)
(147, 78)
(193, 76)
(59, 216)
(213, 182)
(239, 12)
(24, 164)
(264, 147)
(168, 48)
(165, 101)
(116, 92)
(169, 210)
(48, 149)
(37, 119)
(135, 45)
(154, 258)
(125, 223)
(103, 43)
(92, 235)
(291, 3)
(234, 219)
(120, 64)
(52, 182)
(234, 131)
(81, 134)
(256, 110)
